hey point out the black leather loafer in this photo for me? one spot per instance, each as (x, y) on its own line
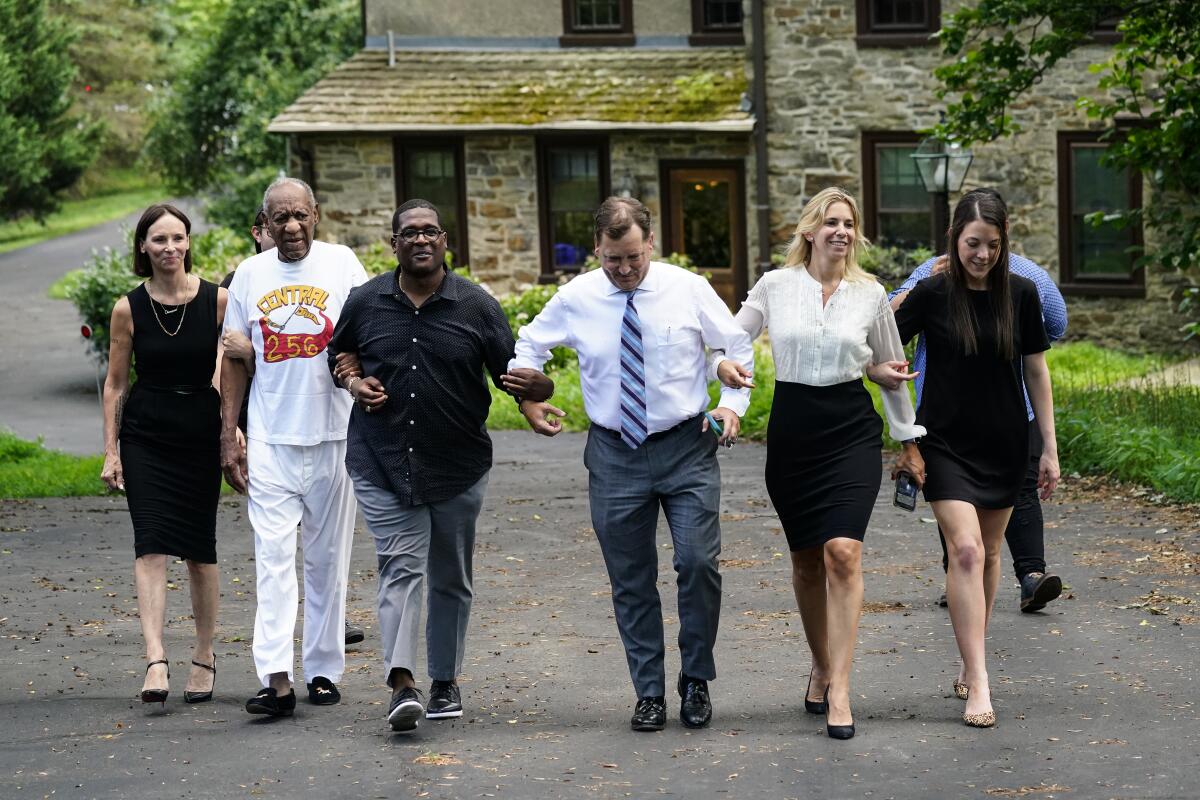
(269, 703)
(650, 714)
(323, 692)
(695, 708)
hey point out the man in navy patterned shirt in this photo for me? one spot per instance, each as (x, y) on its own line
(1025, 535)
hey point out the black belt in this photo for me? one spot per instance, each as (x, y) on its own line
(654, 436)
(179, 389)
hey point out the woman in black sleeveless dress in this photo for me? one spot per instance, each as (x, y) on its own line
(168, 428)
(984, 329)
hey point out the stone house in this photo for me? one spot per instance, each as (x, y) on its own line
(516, 117)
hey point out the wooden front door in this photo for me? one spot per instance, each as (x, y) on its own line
(704, 217)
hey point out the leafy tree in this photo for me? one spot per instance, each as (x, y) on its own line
(209, 133)
(1149, 97)
(44, 147)
(119, 56)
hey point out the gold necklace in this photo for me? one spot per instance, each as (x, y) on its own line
(182, 316)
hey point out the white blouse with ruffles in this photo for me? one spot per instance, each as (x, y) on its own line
(826, 345)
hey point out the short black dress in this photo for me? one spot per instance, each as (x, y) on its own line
(171, 428)
(973, 406)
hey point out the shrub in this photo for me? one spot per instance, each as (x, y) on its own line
(106, 278)
(893, 265)
(521, 307)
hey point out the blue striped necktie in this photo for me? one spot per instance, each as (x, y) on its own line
(633, 377)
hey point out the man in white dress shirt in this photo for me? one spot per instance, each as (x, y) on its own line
(640, 328)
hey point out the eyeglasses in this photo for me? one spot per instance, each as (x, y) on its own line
(410, 235)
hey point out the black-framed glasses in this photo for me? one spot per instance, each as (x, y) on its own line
(410, 235)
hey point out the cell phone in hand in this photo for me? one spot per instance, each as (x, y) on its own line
(714, 424)
(906, 492)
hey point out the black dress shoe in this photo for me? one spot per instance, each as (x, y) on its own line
(354, 634)
(269, 703)
(323, 692)
(815, 706)
(1038, 589)
(650, 714)
(695, 708)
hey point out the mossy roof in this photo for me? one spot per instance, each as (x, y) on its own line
(593, 89)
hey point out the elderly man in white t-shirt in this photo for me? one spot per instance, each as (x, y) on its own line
(287, 301)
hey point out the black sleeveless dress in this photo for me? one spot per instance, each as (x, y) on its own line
(976, 447)
(171, 428)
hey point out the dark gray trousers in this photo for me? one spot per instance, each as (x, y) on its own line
(676, 470)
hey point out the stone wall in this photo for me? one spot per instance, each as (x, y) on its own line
(354, 181)
(502, 210)
(1152, 324)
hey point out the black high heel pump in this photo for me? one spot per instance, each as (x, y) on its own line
(202, 697)
(157, 695)
(815, 706)
(838, 731)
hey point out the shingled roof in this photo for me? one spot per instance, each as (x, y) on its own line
(594, 89)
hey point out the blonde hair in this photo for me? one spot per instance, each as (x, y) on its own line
(812, 217)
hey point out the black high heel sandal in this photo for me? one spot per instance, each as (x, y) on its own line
(157, 695)
(202, 697)
(815, 706)
(838, 731)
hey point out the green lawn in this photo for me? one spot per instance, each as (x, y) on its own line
(27, 469)
(122, 193)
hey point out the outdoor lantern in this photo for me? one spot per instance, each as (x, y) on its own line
(942, 168)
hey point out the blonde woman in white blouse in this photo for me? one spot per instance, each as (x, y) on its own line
(828, 320)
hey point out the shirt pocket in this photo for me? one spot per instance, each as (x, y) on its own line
(677, 348)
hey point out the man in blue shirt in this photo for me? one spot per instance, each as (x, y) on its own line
(1025, 535)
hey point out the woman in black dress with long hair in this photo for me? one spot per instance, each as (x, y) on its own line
(161, 438)
(984, 328)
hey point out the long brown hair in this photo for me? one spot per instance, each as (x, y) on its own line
(984, 205)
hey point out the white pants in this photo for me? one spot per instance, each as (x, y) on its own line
(308, 486)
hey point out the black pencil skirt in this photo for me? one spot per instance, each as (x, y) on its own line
(824, 465)
(170, 453)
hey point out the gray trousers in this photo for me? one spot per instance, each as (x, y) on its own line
(434, 539)
(676, 470)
